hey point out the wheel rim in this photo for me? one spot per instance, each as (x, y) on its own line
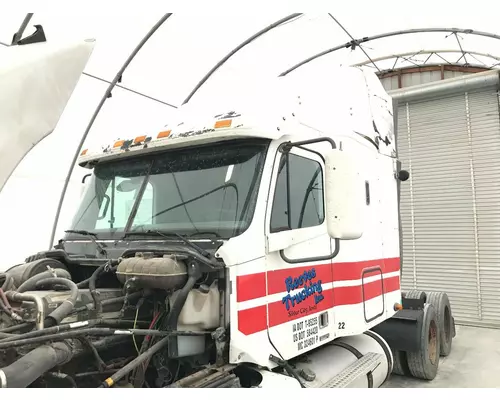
(447, 324)
(432, 342)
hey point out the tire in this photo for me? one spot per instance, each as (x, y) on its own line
(416, 294)
(442, 305)
(424, 363)
(400, 365)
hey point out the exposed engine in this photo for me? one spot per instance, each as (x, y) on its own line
(144, 320)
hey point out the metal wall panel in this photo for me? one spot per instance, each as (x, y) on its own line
(485, 132)
(406, 209)
(450, 207)
(418, 78)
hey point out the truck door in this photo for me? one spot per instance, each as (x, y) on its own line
(298, 255)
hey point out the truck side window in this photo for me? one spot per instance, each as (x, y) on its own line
(298, 197)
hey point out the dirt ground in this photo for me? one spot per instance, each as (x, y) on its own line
(474, 362)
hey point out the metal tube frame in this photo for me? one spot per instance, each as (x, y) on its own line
(113, 83)
(19, 34)
(357, 42)
(423, 51)
(236, 49)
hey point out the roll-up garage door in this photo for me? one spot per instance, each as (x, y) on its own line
(450, 206)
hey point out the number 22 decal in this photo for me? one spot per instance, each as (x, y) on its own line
(341, 325)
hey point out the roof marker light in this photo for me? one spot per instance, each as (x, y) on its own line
(83, 152)
(140, 139)
(119, 143)
(223, 123)
(164, 134)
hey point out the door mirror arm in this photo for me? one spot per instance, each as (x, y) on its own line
(287, 146)
(85, 177)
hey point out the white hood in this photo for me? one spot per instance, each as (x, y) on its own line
(36, 83)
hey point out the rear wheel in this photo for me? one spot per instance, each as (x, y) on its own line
(424, 363)
(442, 305)
(416, 294)
(400, 366)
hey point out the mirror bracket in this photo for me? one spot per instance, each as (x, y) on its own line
(85, 177)
(287, 146)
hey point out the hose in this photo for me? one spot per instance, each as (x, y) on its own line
(83, 284)
(14, 328)
(3, 304)
(61, 312)
(171, 322)
(63, 377)
(27, 369)
(4, 299)
(134, 363)
(32, 282)
(95, 332)
(92, 288)
(109, 341)
(101, 365)
(15, 296)
(4, 308)
(7, 285)
(93, 373)
(108, 302)
(21, 373)
(74, 325)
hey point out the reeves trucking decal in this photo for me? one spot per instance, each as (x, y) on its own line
(341, 284)
(310, 288)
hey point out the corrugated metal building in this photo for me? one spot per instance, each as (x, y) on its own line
(449, 139)
(412, 76)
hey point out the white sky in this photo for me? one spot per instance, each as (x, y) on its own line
(172, 62)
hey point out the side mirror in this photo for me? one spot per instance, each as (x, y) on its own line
(345, 194)
(129, 185)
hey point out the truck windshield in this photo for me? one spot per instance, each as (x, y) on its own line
(193, 192)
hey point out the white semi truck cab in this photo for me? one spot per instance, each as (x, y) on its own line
(256, 245)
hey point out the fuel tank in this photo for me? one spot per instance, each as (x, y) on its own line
(360, 361)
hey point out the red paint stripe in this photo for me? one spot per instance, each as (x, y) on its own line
(253, 286)
(354, 294)
(350, 271)
(254, 320)
(249, 287)
(348, 295)
(392, 284)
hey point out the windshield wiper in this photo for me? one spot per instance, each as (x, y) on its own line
(81, 232)
(92, 237)
(166, 234)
